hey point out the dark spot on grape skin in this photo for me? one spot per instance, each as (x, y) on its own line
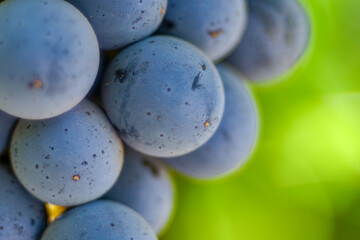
(225, 134)
(37, 166)
(147, 143)
(137, 20)
(112, 224)
(196, 83)
(152, 167)
(203, 67)
(121, 75)
(94, 155)
(84, 163)
(148, 113)
(88, 113)
(19, 228)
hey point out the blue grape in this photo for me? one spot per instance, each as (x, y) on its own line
(214, 26)
(49, 57)
(102, 219)
(235, 138)
(164, 95)
(6, 124)
(68, 160)
(119, 23)
(21, 215)
(145, 186)
(276, 37)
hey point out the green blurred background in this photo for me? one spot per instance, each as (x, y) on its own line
(303, 181)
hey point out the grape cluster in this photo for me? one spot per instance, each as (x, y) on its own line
(83, 77)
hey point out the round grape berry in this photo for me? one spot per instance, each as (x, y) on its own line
(49, 57)
(164, 95)
(101, 219)
(120, 23)
(276, 37)
(70, 159)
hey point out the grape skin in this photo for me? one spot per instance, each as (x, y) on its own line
(233, 142)
(164, 95)
(21, 215)
(119, 23)
(276, 37)
(214, 26)
(68, 160)
(145, 185)
(101, 219)
(49, 57)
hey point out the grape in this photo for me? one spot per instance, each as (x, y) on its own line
(165, 97)
(215, 26)
(6, 124)
(145, 186)
(119, 23)
(21, 215)
(276, 37)
(235, 138)
(102, 219)
(49, 57)
(68, 160)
